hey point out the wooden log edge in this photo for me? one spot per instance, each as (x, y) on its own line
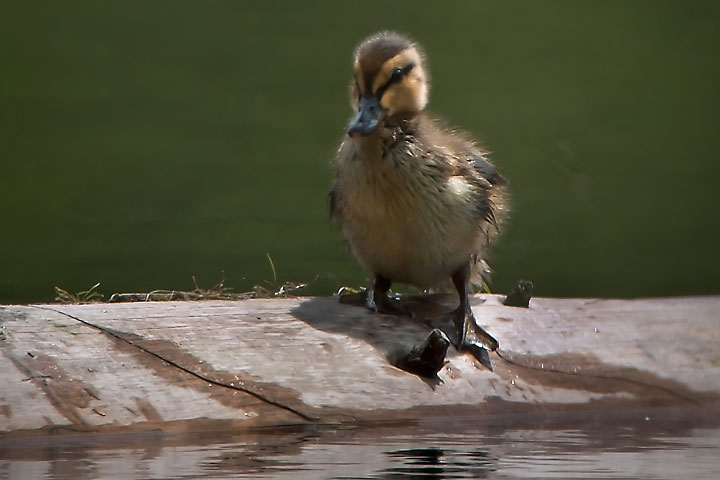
(243, 365)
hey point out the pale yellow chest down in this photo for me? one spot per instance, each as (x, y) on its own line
(404, 218)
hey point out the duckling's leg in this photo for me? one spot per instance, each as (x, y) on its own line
(377, 299)
(470, 334)
(381, 302)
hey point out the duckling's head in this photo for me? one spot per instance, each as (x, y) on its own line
(390, 79)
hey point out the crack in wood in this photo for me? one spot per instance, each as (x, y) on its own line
(125, 338)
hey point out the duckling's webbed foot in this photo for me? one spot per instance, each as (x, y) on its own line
(359, 299)
(377, 299)
(428, 358)
(469, 335)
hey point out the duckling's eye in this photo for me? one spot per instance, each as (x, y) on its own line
(396, 75)
(399, 72)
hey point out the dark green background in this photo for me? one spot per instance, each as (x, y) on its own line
(142, 143)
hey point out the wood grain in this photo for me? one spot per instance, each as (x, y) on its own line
(194, 366)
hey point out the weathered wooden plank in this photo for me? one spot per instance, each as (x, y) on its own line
(238, 365)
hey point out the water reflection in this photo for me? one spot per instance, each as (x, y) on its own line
(644, 449)
(434, 462)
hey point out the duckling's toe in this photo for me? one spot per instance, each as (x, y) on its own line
(390, 306)
(377, 302)
(473, 338)
(470, 333)
(462, 329)
(427, 359)
(359, 299)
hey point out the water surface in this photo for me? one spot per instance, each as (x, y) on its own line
(640, 448)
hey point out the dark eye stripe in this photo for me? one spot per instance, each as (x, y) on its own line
(396, 76)
(399, 73)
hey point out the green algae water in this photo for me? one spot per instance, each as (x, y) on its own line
(142, 144)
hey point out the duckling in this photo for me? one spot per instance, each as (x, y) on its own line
(416, 202)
